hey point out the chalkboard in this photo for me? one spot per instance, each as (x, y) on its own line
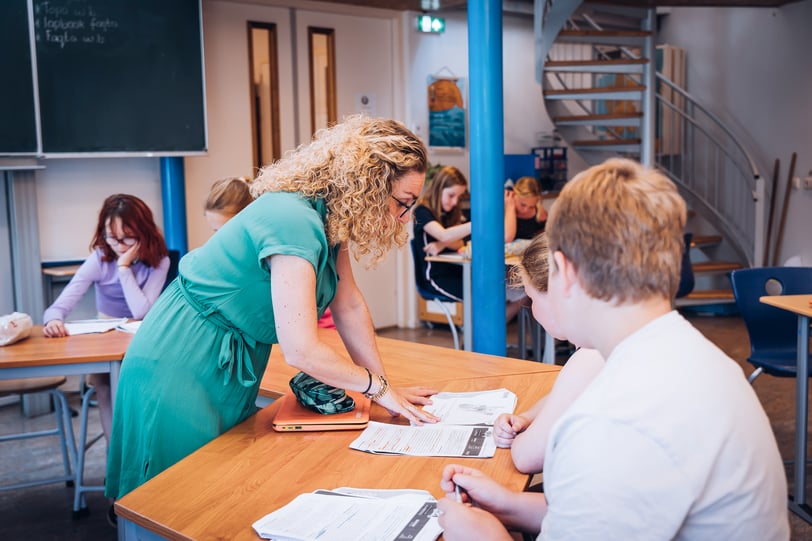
(18, 124)
(115, 76)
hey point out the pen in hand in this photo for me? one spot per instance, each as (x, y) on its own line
(458, 492)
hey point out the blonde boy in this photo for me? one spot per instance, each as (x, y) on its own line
(668, 441)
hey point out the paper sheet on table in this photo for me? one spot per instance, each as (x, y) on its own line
(427, 440)
(88, 326)
(330, 515)
(130, 326)
(472, 408)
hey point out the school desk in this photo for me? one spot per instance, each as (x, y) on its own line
(38, 356)
(406, 363)
(221, 489)
(800, 305)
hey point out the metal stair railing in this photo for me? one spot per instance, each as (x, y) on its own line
(699, 152)
(693, 146)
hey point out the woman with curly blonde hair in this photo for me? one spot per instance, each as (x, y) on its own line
(194, 368)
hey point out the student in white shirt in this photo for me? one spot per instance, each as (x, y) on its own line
(669, 441)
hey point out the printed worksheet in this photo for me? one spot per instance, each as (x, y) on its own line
(427, 440)
(370, 515)
(472, 408)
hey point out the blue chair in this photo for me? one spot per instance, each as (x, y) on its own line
(172, 272)
(772, 331)
(425, 291)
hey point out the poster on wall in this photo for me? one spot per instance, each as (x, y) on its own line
(446, 111)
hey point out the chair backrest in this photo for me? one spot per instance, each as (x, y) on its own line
(769, 328)
(686, 275)
(172, 273)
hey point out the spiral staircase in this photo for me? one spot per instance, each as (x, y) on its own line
(605, 98)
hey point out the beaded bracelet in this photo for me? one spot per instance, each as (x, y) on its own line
(381, 391)
(369, 386)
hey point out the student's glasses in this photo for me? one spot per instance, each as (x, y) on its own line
(126, 241)
(406, 206)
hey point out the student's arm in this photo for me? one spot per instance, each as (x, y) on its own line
(293, 286)
(529, 446)
(140, 300)
(447, 234)
(434, 248)
(54, 316)
(492, 509)
(510, 216)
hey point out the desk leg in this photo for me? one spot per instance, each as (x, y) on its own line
(549, 348)
(797, 502)
(129, 531)
(115, 369)
(467, 323)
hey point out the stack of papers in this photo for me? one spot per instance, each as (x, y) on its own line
(351, 513)
(465, 428)
(89, 326)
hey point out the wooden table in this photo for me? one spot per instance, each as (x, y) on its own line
(407, 364)
(800, 305)
(57, 273)
(221, 489)
(38, 356)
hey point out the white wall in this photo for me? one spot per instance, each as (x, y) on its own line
(752, 67)
(70, 193)
(428, 54)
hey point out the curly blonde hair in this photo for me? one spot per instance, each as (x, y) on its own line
(352, 166)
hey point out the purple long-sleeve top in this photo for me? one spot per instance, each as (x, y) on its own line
(120, 292)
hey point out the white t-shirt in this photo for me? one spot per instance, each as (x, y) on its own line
(668, 442)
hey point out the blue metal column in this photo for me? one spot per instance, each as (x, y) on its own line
(487, 175)
(173, 197)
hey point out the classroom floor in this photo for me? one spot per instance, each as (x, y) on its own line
(44, 513)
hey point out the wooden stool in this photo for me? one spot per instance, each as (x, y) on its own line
(64, 428)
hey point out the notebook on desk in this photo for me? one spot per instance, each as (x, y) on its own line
(293, 417)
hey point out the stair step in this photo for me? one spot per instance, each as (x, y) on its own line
(715, 266)
(707, 296)
(611, 119)
(603, 37)
(699, 241)
(620, 65)
(629, 92)
(599, 143)
(605, 33)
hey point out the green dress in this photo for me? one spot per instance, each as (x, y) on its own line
(193, 368)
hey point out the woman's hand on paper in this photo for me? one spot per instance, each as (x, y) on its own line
(407, 401)
(55, 329)
(506, 427)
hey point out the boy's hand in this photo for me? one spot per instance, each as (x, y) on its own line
(55, 329)
(506, 427)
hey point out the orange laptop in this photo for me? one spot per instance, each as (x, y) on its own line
(293, 417)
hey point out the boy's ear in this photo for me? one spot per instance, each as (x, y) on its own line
(568, 274)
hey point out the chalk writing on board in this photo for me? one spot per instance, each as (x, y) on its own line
(72, 23)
